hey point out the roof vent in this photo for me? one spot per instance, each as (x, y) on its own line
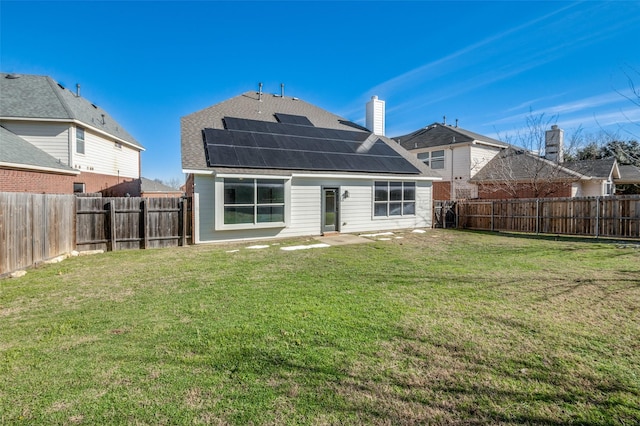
(12, 76)
(260, 92)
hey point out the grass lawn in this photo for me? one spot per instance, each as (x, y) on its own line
(445, 327)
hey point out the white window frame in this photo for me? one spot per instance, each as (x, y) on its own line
(402, 201)
(440, 159)
(220, 204)
(83, 139)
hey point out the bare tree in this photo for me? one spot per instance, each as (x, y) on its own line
(521, 170)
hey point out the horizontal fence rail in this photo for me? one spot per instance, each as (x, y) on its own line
(38, 227)
(617, 217)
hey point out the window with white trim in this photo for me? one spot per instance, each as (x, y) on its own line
(437, 159)
(253, 201)
(394, 199)
(79, 140)
(424, 157)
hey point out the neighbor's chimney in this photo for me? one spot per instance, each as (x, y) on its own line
(375, 116)
(77, 90)
(554, 144)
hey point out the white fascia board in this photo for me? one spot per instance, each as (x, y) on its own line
(495, 145)
(197, 172)
(378, 177)
(252, 176)
(38, 168)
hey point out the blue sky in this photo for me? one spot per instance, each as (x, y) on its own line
(488, 64)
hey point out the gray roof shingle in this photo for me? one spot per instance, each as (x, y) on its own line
(17, 151)
(250, 105)
(629, 174)
(39, 97)
(148, 185)
(437, 134)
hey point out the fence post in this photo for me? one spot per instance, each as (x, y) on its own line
(183, 215)
(597, 217)
(457, 212)
(112, 226)
(537, 215)
(144, 208)
(492, 206)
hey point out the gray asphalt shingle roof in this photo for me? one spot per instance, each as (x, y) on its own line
(39, 97)
(18, 151)
(148, 185)
(250, 105)
(437, 134)
(520, 165)
(629, 174)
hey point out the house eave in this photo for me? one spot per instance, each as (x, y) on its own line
(28, 167)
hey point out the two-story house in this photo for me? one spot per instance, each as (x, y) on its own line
(454, 154)
(53, 140)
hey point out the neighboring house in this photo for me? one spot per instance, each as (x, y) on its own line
(76, 146)
(452, 153)
(263, 166)
(629, 182)
(154, 189)
(518, 173)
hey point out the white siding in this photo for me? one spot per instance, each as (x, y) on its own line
(480, 156)
(101, 155)
(52, 138)
(356, 211)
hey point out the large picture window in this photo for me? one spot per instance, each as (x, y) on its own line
(394, 199)
(253, 201)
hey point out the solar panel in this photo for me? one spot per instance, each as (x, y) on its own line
(299, 120)
(268, 145)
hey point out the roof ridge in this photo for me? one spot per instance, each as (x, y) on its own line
(53, 85)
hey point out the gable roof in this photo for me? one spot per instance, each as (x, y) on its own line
(629, 174)
(213, 138)
(40, 98)
(19, 154)
(513, 164)
(437, 134)
(148, 185)
(598, 169)
(516, 165)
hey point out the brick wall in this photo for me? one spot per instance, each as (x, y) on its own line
(49, 183)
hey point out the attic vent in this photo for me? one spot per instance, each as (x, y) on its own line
(94, 105)
(61, 86)
(12, 76)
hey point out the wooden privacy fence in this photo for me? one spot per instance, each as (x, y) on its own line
(34, 228)
(38, 227)
(132, 223)
(617, 217)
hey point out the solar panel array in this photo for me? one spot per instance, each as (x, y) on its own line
(268, 145)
